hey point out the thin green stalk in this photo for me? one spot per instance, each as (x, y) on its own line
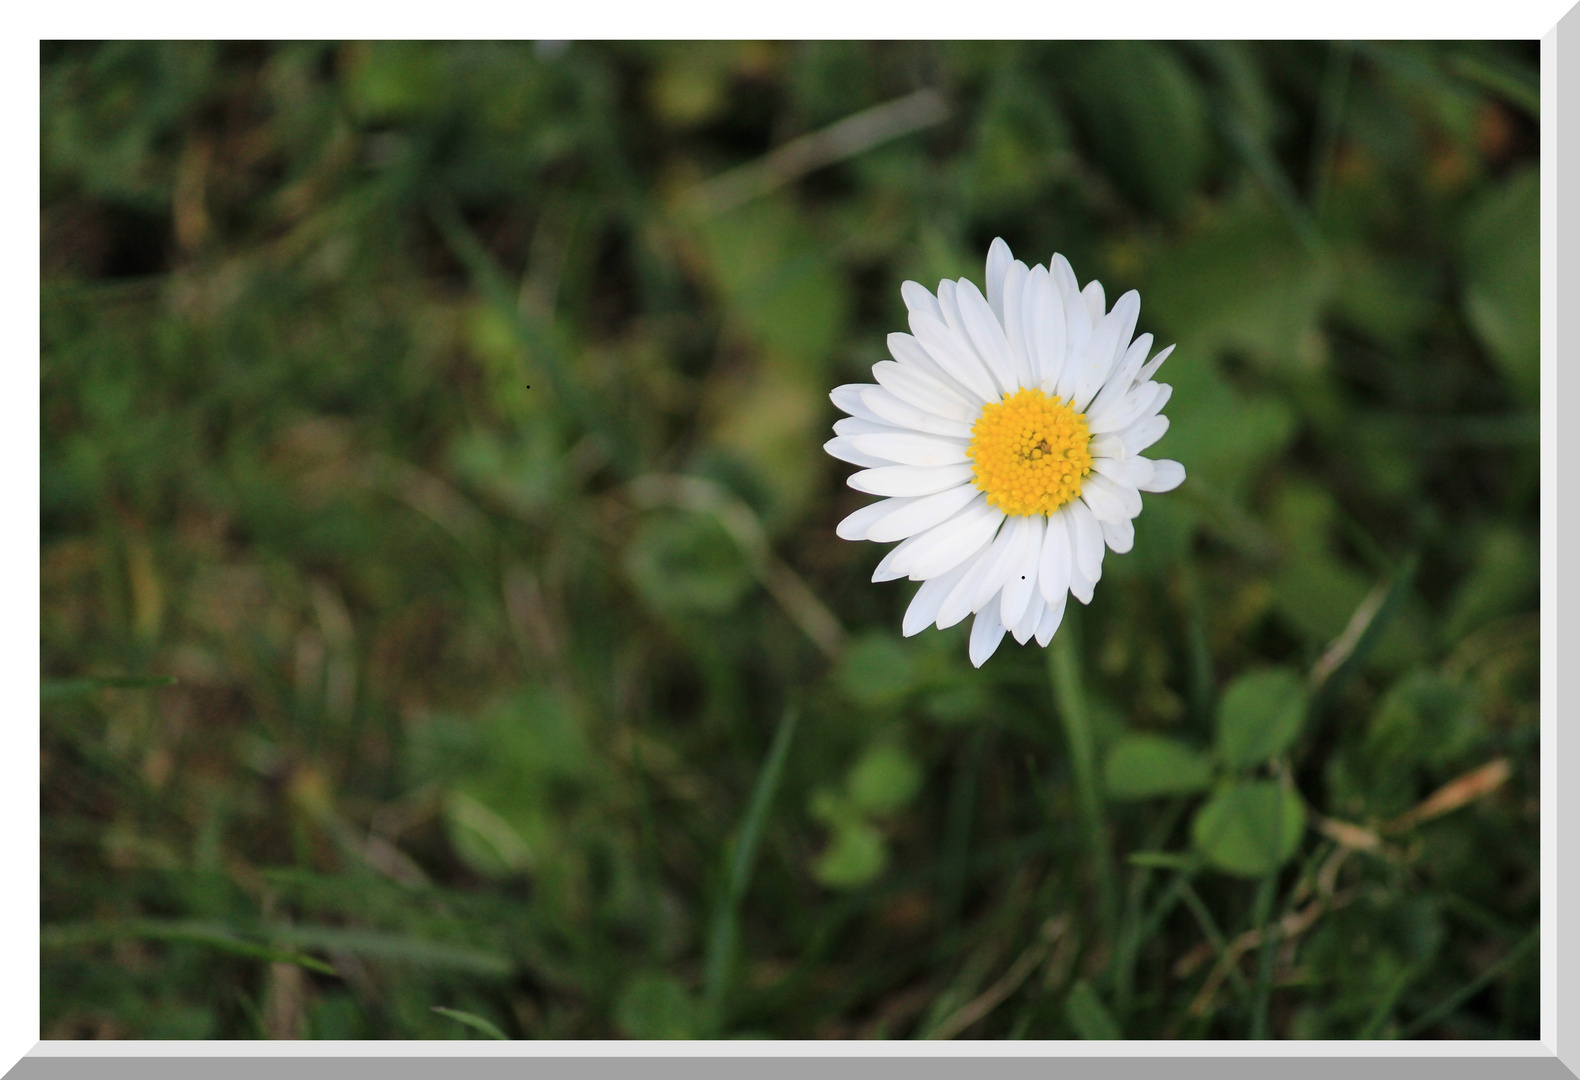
(1330, 112)
(1209, 927)
(957, 838)
(1385, 1005)
(1472, 988)
(721, 942)
(1135, 930)
(1070, 699)
(1264, 970)
(650, 859)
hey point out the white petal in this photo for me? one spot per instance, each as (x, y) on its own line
(930, 394)
(1080, 585)
(1053, 566)
(999, 260)
(1103, 495)
(986, 333)
(1120, 536)
(908, 448)
(1015, 324)
(1140, 435)
(1052, 616)
(1010, 558)
(847, 398)
(1152, 365)
(909, 479)
(918, 299)
(921, 514)
(954, 355)
(1107, 344)
(1086, 544)
(855, 526)
(1108, 445)
(1132, 472)
(1021, 584)
(892, 564)
(986, 632)
(911, 353)
(924, 605)
(1127, 410)
(846, 451)
(1093, 295)
(1028, 623)
(886, 408)
(1045, 328)
(1166, 475)
(850, 426)
(1118, 383)
(962, 599)
(946, 546)
(950, 308)
(1077, 319)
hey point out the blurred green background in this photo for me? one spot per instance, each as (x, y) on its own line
(446, 422)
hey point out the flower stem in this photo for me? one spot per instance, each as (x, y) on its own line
(1264, 968)
(1069, 697)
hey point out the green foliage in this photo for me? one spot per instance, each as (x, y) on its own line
(1087, 1014)
(357, 363)
(1259, 716)
(1249, 827)
(654, 1005)
(882, 782)
(1144, 766)
(1500, 263)
(473, 1021)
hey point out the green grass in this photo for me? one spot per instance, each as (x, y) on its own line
(455, 447)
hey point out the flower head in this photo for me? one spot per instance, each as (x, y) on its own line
(1006, 436)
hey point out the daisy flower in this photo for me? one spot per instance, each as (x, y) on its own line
(1006, 438)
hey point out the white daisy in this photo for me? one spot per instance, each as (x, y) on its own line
(1006, 435)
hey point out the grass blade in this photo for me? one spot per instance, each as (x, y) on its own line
(471, 1020)
(59, 689)
(213, 935)
(1472, 988)
(395, 947)
(721, 942)
(1070, 698)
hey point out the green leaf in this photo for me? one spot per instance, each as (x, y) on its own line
(877, 670)
(1088, 1015)
(855, 857)
(1146, 766)
(654, 1005)
(1500, 261)
(57, 689)
(1144, 115)
(1249, 829)
(1259, 717)
(471, 1020)
(684, 563)
(885, 780)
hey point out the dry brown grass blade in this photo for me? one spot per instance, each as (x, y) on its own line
(1349, 836)
(999, 992)
(1458, 792)
(1290, 927)
(851, 136)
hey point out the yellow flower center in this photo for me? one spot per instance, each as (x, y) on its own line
(1029, 452)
